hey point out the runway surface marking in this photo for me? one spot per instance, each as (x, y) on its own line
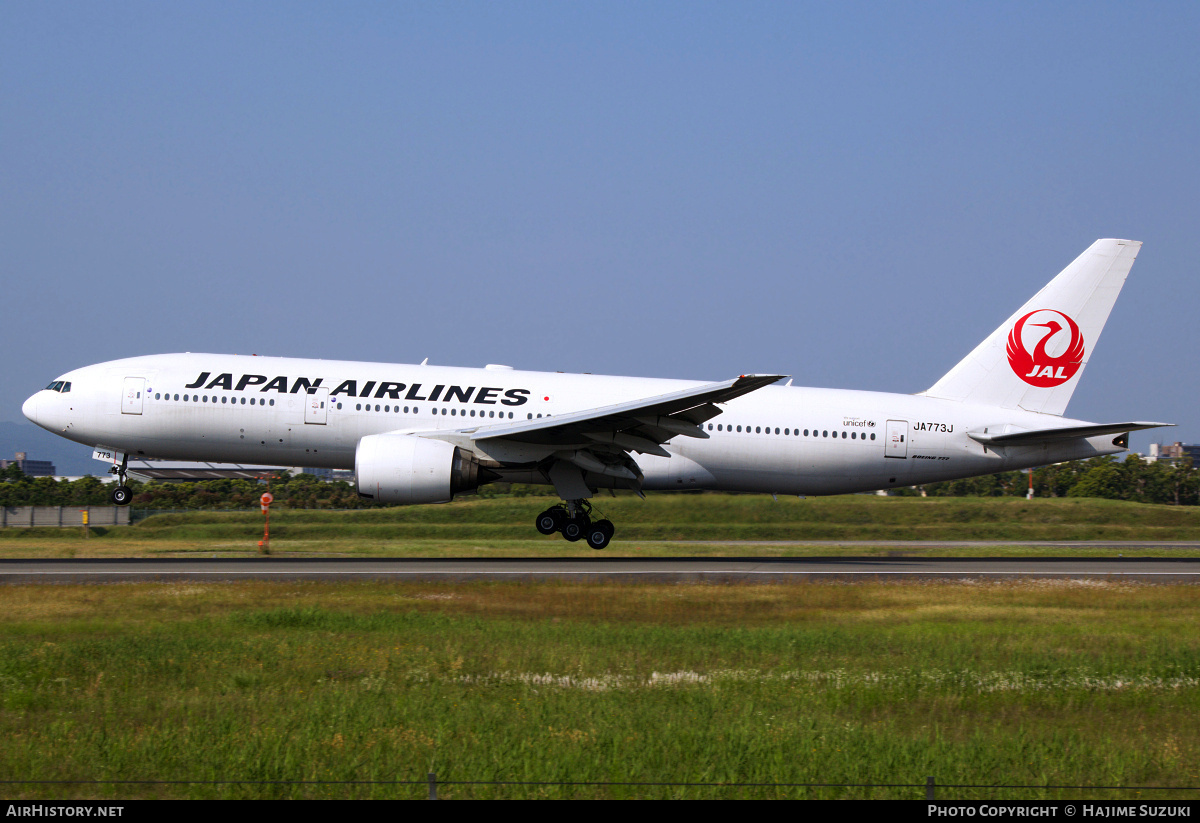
(600, 568)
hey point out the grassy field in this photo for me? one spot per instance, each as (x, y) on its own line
(1014, 683)
(661, 525)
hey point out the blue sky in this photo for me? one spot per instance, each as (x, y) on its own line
(853, 194)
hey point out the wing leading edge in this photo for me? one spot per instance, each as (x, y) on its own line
(654, 420)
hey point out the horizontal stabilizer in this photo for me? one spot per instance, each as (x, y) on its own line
(1035, 436)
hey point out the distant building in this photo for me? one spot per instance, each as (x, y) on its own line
(1175, 453)
(30, 468)
(329, 475)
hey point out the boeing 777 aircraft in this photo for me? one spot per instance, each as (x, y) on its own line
(423, 434)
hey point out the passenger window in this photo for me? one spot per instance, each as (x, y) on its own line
(872, 435)
(843, 435)
(825, 433)
(777, 430)
(358, 406)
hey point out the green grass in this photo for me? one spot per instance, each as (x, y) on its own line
(1027, 683)
(659, 525)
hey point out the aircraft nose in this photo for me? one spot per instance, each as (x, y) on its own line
(29, 409)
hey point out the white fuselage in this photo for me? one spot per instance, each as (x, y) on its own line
(296, 412)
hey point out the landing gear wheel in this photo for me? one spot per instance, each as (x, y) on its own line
(551, 520)
(121, 495)
(576, 528)
(600, 534)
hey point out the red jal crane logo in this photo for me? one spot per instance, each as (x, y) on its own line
(1041, 368)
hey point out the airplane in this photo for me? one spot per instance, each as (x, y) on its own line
(424, 434)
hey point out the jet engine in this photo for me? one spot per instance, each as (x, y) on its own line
(407, 468)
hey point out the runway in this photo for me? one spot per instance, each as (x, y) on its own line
(602, 569)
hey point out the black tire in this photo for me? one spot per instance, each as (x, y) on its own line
(608, 527)
(576, 528)
(121, 496)
(548, 521)
(598, 536)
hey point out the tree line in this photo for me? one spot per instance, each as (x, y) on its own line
(290, 491)
(1130, 479)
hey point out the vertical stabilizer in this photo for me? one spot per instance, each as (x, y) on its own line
(1036, 357)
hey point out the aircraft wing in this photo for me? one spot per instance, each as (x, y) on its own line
(1035, 436)
(635, 425)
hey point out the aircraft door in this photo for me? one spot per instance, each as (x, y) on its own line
(895, 441)
(131, 397)
(316, 406)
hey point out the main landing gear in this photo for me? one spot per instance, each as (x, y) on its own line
(574, 520)
(122, 494)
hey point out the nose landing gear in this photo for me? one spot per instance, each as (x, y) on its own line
(574, 520)
(122, 494)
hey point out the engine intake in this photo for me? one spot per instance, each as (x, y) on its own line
(409, 469)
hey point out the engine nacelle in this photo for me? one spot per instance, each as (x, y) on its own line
(407, 468)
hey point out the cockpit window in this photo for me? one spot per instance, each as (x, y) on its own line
(57, 385)
(66, 387)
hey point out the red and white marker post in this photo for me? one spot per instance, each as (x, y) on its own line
(264, 545)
